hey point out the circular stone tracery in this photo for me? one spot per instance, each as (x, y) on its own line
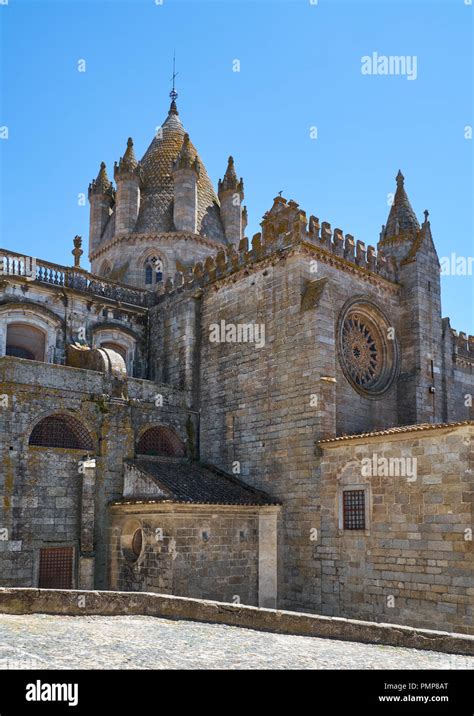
(368, 356)
(361, 353)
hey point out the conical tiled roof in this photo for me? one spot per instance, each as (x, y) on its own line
(402, 219)
(157, 195)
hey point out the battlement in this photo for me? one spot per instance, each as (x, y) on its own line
(284, 227)
(463, 345)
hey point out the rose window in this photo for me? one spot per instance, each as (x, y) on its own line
(367, 349)
(361, 354)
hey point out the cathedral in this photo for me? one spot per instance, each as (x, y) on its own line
(284, 422)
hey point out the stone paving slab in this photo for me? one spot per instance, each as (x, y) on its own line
(40, 641)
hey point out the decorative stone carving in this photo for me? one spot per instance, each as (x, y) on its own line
(367, 349)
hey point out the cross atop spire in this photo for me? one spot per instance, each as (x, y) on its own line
(173, 93)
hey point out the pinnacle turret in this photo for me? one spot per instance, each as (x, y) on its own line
(127, 174)
(402, 219)
(102, 200)
(230, 181)
(126, 164)
(231, 193)
(187, 157)
(101, 185)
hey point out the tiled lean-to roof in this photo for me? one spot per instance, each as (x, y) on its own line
(188, 482)
(422, 427)
(156, 201)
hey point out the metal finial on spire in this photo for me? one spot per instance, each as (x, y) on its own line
(173, 93)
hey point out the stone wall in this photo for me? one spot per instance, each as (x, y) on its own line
(175, 342)
(196, 551)
(413, 562)
(457, 375)
(258, 406)
(70, 317)
(42, 510)
(40, 487)
(127, 255)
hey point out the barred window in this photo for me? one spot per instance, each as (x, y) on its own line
(62, 431)
(56, 568)
(160, 440)
(354, 509)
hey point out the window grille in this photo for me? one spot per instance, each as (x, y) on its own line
(160, 441)
(62, 431)
(56, 568)
(354, 509)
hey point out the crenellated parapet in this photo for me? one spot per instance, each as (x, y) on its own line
(284, 227)
(463, 346)
(288, 219)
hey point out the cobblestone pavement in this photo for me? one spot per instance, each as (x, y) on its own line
(41, 641)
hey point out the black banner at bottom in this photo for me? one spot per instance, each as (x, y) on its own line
(380, 692)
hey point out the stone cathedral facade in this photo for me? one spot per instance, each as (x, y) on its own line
(284, 422)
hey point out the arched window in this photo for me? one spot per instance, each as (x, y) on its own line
(121, 350)
(153, 271)
(25, 341)
(62, 431)
(19, 352)
(105, 269)
(160, 440)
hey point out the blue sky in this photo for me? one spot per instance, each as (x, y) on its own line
(300, 67)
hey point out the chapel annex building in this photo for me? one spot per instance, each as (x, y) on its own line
(195, 416)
